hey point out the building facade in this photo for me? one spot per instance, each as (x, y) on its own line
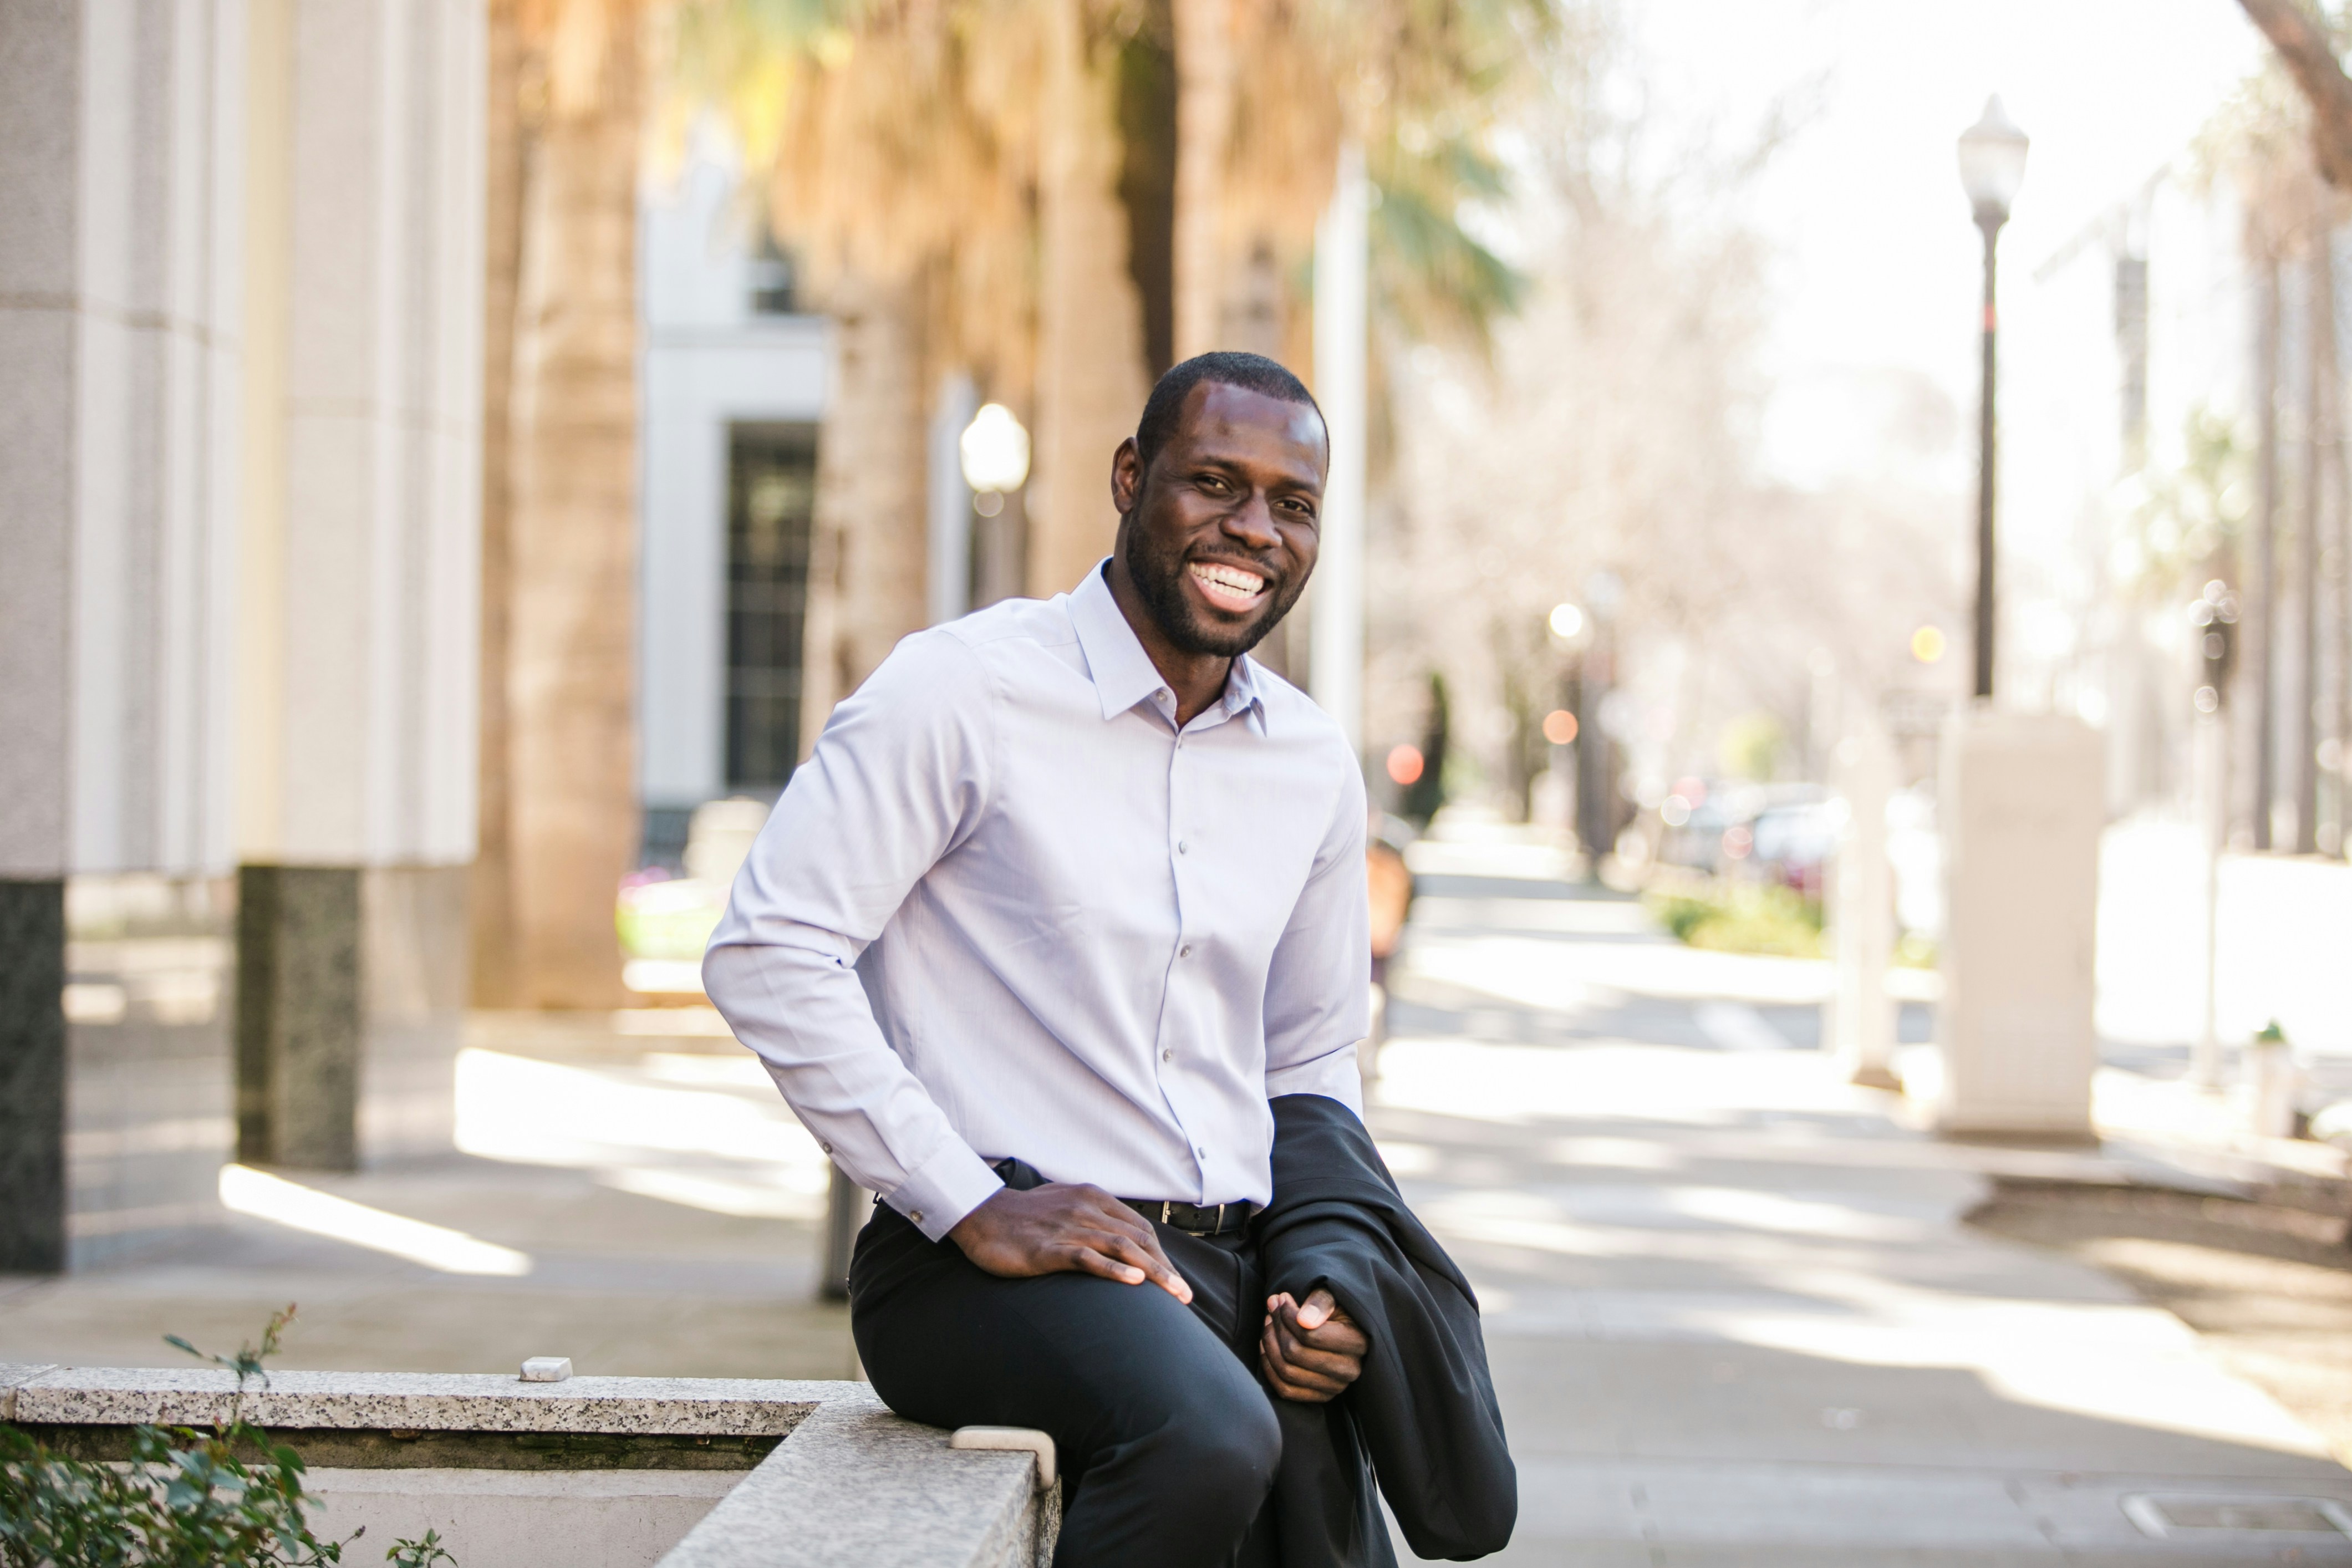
(733, 377)
(240, 306)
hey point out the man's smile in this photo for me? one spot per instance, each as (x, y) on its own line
(1227, 587)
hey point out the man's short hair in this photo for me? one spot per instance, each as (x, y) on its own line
(1226, 367)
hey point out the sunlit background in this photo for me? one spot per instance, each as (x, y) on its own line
(457, 455)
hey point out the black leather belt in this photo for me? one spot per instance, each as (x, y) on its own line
(1196, 1219)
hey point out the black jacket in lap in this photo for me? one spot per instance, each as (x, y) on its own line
(1423, 1417)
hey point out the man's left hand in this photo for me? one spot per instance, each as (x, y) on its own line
(1311, 1352)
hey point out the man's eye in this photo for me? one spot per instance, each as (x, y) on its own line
(1213, 482)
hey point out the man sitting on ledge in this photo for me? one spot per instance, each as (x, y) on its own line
(1058, 942)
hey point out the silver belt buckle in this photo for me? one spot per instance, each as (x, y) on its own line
(1166, 1209)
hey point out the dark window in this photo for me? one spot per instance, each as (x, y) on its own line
(773, 279)
(771, 493)
(663, 843)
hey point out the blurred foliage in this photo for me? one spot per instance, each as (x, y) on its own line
(2263, 128)
(229, 1498)
(741, 58)
(1917, 950)
(1729, 915)
(1751, 747)
(1429, 275)
(1427, 794)
(2183, 516)
(894, 133)
(1738, 917)
(1529, 688)
(671, 919)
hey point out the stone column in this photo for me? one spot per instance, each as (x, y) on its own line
(120, 132)
(361, 567)
(1861, 1013)
(2022, 803)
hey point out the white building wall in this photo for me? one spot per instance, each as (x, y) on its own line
(710, 362)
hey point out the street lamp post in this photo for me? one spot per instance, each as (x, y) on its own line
(2021, 802)
(1992, 166)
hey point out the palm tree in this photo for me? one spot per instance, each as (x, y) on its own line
(1061, 195)
(559, 813)
(1205, 73)
(1092, 360)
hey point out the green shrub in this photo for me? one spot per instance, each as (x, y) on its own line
(229, 1497)
(1739, 917)
(1917, 950)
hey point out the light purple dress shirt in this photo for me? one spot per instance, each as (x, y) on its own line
(1006, 908)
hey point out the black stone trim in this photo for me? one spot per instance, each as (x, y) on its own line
(32, 1076)
(299, 1015)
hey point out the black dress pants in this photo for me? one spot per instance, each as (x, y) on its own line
(1167, 1440)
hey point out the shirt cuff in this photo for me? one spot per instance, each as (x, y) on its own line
(1334, 1075)
(936, 1195)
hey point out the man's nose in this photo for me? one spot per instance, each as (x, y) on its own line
(1252, 523)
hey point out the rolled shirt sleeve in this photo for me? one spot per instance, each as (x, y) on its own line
(897, 781)
(1318, 987)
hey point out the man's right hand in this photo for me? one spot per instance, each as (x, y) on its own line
(1065, 1228)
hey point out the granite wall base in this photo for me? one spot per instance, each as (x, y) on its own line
(297, 1015)
(32, 1076)
(351, 997)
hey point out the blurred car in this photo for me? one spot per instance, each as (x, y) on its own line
(1784, 833)
(1790, 841)
(1693, 819)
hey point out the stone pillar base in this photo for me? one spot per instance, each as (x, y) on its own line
(297, 1015)
(351, 1004)
(32, 1076)
(2021, 804)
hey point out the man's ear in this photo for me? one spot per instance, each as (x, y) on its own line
(1126, 477)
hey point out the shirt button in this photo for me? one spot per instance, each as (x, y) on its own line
(826, 1147)
(1185, 952)
(917, 1215)
(1168, 1056)
(1182, 848)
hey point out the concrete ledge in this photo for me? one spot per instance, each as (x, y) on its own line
(850, 1483)
(857, 1484)
(426, 1402)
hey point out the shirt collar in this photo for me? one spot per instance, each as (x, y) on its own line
(1123, 673)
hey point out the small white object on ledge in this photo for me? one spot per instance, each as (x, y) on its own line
(546, 1369)
(1011, 1440)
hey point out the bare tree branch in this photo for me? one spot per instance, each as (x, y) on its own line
(2303, 47)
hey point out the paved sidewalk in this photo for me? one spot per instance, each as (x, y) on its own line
(635, 1196)
(1734, 1314)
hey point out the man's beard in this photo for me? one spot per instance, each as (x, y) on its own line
(1159, 579)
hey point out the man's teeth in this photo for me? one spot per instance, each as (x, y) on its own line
(1227, 584)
